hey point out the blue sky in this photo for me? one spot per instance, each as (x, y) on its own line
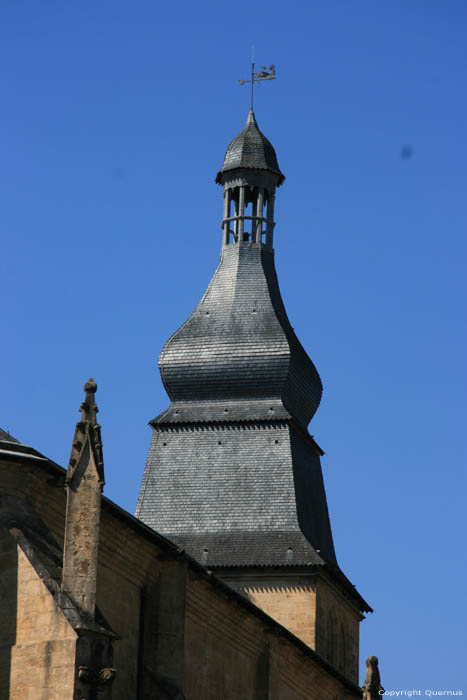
(115, 120)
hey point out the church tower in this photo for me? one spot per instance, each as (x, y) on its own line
(233, 475)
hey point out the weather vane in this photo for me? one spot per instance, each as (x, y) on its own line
(264, 74)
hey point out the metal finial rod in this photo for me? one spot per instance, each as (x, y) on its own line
(267, 73)
(252, 76)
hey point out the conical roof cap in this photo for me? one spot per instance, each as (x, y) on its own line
(251, 150)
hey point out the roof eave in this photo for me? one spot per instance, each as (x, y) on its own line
(220, 179)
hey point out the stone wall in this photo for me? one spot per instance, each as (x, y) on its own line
(311, 607)
(37, 655)
(337, 629)
(180, 629)
(231, 654)
(289, 600)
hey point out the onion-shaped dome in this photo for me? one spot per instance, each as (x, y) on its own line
(237, 356)
(252, 151)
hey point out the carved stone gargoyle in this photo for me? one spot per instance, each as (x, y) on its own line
(97, 680)
(372, 688)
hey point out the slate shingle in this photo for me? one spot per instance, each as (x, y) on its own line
(237, 355)
(226, 486)
(251, 150)
(231, 474)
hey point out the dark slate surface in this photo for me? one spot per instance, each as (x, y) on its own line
(251, 150)
(7, 437)
(242, 548)
(227, 476)
(237, 356)
(224, 411)
(218, 486)
(310, 496)
(10, 448)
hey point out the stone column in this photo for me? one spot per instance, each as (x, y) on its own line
(259, 212)
(241, 213)
(254, 210)
(234, 196)
(270, 217)
(226, 225)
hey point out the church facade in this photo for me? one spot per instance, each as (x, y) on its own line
(225, 586)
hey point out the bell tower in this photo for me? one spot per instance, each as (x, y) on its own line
(233, 474)
(243, 188)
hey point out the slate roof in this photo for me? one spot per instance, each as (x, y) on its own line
(227, 476)
(14, 450)
(251, 150)
(6, 437)
(237, 356)
(242, 548)
(248, 493)
(232, 474)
